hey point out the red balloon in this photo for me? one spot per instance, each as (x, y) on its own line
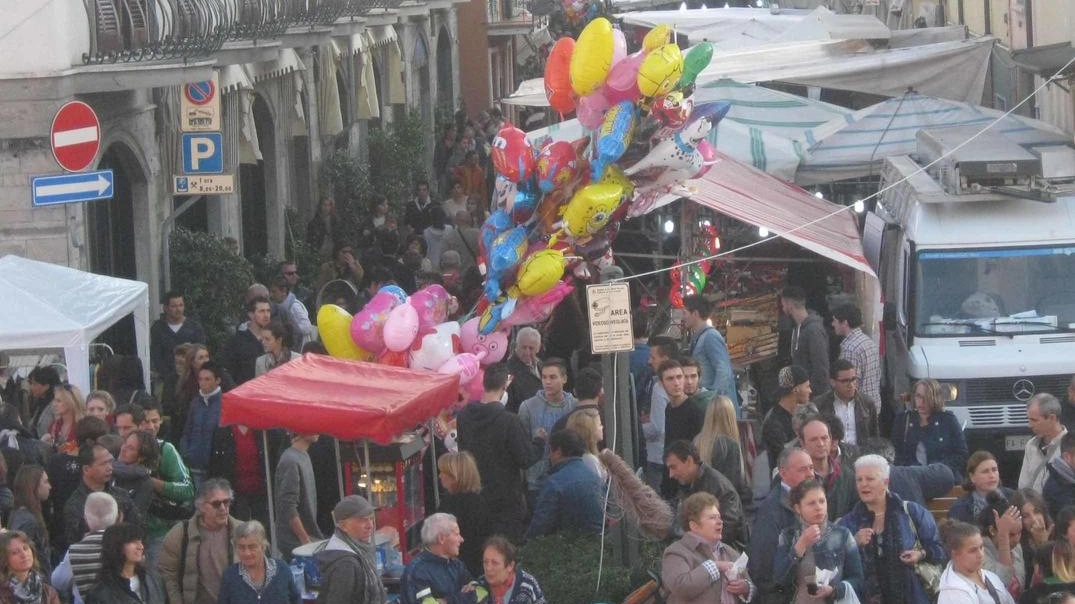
(513, 155)
(557, 165)
(558, 76)
(395, 359)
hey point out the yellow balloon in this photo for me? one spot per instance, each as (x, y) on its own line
(614, 176)
(660, 71)
(591, 208)
(657, 37)
(538, 273)
(334, 325)
(592, 59)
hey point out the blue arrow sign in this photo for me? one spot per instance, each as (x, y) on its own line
(71, 188)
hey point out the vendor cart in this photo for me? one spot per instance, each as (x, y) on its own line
(373, 409)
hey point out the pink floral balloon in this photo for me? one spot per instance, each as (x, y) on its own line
(400, 328)
(435, 347)
(619, 46)
(367, 328)
(494, 346)
(591, 110)
(432, 305)
(536, 309)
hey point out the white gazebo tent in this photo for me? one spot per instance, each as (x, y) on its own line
(45, 305)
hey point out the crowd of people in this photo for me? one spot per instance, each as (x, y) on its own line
(133, 495)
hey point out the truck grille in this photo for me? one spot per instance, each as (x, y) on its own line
(997, 416)
(1002, 390)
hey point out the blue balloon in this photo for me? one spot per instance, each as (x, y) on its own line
(497, 222)
(527, 197)
(715, 111)
(396, 291)
(614, 137)
(506, 253)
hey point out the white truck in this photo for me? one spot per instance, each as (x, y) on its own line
(976, 261)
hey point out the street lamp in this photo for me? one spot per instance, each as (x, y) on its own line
(669, 226)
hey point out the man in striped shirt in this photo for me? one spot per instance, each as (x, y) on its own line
(77, 572)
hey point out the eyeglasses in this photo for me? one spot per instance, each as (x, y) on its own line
(221, 503)
(849, 380)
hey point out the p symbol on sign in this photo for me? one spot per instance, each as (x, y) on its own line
(203, 153)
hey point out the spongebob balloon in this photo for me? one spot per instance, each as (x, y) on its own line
(538, 273)
(590, 209)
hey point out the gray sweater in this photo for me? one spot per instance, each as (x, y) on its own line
(295, 495)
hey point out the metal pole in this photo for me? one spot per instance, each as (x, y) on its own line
(369, 474)
(339, 466)
(166, 238)
(433, 455)
(268, 484)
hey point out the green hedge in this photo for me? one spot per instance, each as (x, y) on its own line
(565, 565)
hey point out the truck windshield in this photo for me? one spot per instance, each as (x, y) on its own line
(1008, 291)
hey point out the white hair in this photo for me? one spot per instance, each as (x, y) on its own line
(874, 461)
(528, 333)
(101, 511)
(436, 526)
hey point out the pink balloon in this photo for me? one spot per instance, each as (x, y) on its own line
(436, 347)
(432, 305)
(619, 46)
(475, 389)
(536, 309)
(400, 328)
(465, 365)
(367, 328)
(492, 347)
(622, 81)
(591, 110)
(709, 157)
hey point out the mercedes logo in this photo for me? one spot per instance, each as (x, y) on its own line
(1023, 390)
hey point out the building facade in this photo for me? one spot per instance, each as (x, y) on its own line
(296, 79)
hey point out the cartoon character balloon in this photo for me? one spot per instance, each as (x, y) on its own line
(591, 208)
(367, 328)
(431, 303)
(494, 345)
(557, 165)
(615, 137)
(400, 328)
(513, 155)
(435, 347)
(661, 70)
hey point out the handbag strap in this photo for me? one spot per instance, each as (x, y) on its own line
(914, 529)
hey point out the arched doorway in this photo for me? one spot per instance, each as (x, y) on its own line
(420, 64)
(445, 91)
(110, 224)
(254, 183)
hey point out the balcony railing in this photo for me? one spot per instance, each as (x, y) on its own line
(149, 30)
(510, 15)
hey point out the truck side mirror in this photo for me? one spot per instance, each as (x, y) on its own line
(888, 316)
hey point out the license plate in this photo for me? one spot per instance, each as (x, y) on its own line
(1016, 443)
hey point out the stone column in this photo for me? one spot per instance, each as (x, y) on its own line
(453, 31)
(224, 211)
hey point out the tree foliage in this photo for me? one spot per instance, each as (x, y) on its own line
(565, 565)
(398, 159)
(212, 279)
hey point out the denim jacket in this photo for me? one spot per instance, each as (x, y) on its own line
(715, 365)
(836, 550)
(570, 499)
(942, 436)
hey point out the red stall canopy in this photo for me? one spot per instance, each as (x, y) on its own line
(349, 400)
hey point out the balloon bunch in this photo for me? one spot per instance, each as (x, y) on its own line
(558, 207)
(707, 244)
(413, 331)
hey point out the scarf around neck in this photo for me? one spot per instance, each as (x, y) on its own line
(31, 592)
(368, 553)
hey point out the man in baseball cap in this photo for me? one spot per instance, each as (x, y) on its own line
(348, 564)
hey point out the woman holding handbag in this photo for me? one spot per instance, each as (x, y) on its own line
(902, 555)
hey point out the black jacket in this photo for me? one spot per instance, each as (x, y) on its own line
(74, 523)
(524, 384)
(112, 590)
(241, 353)
(473, 516)
(162, 343)
(504, 451)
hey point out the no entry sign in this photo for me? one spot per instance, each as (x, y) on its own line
(76, 136)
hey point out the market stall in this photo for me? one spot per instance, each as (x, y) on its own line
(374, 408)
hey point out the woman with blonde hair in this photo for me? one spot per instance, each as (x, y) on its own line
(459, 476)
(68, 406)
(926, 433)
(587, 424)
(718, 445)
(100, 404)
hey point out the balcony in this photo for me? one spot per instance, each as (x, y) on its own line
(511, 18)
(162, 30)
